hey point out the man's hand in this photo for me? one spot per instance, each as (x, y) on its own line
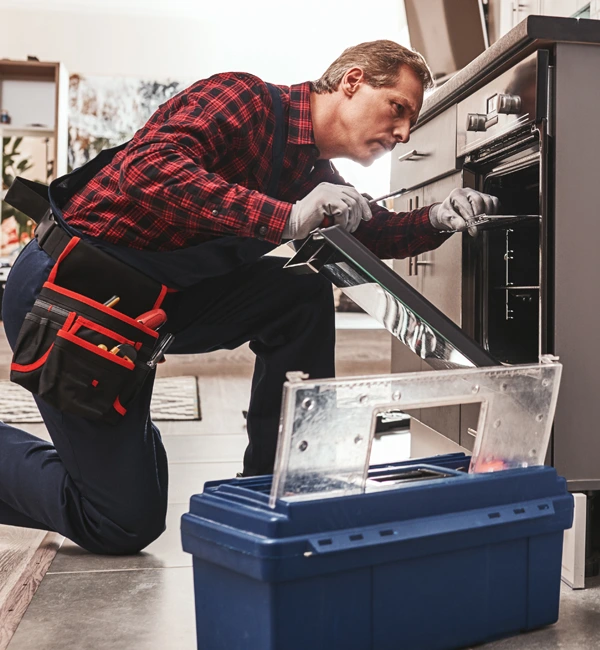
(460, 206)
(340, 202)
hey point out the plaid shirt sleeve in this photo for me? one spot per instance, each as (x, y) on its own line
(164, 169)
(391, 235)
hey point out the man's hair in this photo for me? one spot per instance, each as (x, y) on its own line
(380, 62)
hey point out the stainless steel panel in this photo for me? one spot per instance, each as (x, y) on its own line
(430, 153)
(577, 264)
(503, 105)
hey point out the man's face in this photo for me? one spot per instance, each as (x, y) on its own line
(374, 120)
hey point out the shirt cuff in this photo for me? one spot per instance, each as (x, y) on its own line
(267, 218)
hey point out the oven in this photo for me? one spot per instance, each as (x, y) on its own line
(528, 286)
(502, 133)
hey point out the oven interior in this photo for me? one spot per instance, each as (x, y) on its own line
(508, 304)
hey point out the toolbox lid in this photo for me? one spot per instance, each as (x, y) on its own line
(327, 425)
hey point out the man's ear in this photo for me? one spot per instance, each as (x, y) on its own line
(351, 81)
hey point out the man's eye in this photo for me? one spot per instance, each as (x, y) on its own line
(399, 108)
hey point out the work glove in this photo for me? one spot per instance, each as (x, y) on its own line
(461, 205)
(342, 204)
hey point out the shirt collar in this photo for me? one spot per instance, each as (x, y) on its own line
(300, 129)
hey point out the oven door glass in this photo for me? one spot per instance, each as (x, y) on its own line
(383, 294)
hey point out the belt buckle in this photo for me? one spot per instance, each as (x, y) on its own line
(44, 228)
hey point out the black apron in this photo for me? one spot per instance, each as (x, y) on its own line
(185, 267)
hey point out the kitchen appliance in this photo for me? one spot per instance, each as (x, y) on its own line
(519, 122)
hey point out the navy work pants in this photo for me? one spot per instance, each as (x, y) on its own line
(105, 486)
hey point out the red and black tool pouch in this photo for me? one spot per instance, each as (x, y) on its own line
(57, 354)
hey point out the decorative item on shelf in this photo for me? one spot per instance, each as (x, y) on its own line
(5, 117)
(29, 157)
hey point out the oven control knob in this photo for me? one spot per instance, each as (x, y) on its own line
(476, 122)
(509, 104)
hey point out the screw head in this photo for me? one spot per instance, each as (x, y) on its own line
(308, 404)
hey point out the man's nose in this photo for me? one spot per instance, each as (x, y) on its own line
(402, 133)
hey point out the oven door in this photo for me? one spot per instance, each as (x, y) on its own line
(383, 294)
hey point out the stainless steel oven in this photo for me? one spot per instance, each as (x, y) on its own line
(506, 277)
(524, 130)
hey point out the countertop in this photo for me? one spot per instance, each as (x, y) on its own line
(531, 34)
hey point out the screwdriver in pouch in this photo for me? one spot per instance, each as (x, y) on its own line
(160, 350)
(125, 351)
(111, 302)
(152, 319)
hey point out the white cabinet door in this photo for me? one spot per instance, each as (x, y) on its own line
(439, 272)
(403, 359)
(405, 268)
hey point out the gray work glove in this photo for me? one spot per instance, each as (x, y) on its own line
(461, 205)
(336, 204)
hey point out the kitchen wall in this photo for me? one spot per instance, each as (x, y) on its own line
(185, 39)
(505, 14)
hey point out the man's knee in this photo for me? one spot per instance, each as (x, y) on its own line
(313, 288)
(125, 538)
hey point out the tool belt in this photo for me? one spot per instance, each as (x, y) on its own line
(77, 353)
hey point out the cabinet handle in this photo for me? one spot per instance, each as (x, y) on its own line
(418, 263)
(409, 155)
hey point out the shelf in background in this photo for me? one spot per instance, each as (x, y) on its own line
(8, 130)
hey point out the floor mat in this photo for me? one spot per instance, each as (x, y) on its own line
(174, 398)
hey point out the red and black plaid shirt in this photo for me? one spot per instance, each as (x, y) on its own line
(198, 169)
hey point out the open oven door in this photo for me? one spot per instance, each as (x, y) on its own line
(388, 298)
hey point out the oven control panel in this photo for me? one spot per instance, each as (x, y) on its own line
(513, 99)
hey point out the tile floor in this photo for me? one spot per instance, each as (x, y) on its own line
(145, 602)
(91, 602)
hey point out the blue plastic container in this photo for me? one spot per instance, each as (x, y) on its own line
(427, 565)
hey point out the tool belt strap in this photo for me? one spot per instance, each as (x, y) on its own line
(51, 238)
(31, 198)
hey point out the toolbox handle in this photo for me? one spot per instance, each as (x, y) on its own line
(428, 527)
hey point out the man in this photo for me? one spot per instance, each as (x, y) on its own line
(221, 173)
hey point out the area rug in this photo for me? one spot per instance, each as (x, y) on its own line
(174, 398)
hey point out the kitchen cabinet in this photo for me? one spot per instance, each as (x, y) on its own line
(437, 276)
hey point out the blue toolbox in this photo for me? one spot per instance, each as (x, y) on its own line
(439, 559)
(433, 553)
